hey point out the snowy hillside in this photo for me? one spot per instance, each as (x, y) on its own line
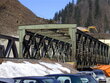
(11, 69)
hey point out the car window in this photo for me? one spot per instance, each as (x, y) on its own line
(76, 79)
(99, 72)
(91, 79)
(30, 81)
(48, 80)
(93, 74)
(2, 82)
(62, 79)
(87, 79)
(17, 80)
(84, 80)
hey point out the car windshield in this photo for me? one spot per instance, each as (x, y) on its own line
(87, 79)
(99, 72)
(76, 80)
(72, 79)
(35, 80)
(85, 72)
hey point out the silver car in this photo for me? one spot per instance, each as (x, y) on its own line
(100, 75)
(89, 73)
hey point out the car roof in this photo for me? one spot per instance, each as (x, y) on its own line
(33, 77)
(7, 80)
(86, 72)
(97, 70)
(64, 75)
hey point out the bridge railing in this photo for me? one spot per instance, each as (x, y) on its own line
(38, 45)
(90, 51)
(82, 48)
(8, 47)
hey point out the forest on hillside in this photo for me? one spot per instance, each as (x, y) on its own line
(86, 13)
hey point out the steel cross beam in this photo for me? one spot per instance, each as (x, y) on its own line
(71, 30)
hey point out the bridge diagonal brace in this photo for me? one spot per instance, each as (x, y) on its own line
(8, 48)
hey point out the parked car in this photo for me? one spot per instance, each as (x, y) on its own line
(100, 75)
(89, 77)
(6, 80)
(88, 73)
(73, 78)
(34, 79)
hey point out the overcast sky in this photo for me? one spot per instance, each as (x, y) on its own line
(45, 8)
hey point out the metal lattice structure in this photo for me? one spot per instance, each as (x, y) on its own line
(62, 42)
(45, 38)
(90, 51)
(38, 46)
(7, 45)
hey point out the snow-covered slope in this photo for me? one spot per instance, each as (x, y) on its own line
(12, 69)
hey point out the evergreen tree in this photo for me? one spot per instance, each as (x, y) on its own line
(106, 26)
(93, 15)
(97, 9)
(89, 19)
(73, 1)
(77, 15)
(56, 16)
(65, 14)
(78, 1)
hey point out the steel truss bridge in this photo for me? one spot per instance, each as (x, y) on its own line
(60, 42)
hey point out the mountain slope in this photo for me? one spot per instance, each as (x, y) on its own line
(13, 14)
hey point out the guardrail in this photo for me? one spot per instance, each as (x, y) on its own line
(7, 47)
(90, 51)
(38, 46)
(81, 48)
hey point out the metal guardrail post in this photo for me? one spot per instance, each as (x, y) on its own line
(21, 36)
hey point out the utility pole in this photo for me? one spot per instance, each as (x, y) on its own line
(60, 21)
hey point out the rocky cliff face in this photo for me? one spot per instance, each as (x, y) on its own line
(13, 14)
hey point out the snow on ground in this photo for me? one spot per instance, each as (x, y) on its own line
(11, 69)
